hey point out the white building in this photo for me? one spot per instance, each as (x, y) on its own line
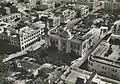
(32, 3)
(54, 21)
(116, 27)
(68, 1)
(79, 76)
(84, 9)
(78, 39)
(7, 10)
(13, 1)
(51, 18)
(49, 3)
(86, 2)
(106, 5)
(65, 14)
(105, 58)
(27, 5)
(11, 18)
(23, 35)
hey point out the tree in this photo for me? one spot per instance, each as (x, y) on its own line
(42, 73)
(73, 54)
(37, 81)
(4, 81)
(44, 53)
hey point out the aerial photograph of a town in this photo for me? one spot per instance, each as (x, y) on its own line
(59, 41)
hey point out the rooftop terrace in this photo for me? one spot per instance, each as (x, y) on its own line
(110, 48)
(83, 74)
(108, 53)
(72, 77)
(106, 61)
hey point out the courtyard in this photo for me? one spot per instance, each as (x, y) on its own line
(51, 56)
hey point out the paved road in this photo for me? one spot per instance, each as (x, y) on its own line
(23, 52)
(80, 61)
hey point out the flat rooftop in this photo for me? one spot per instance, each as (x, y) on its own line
(28, 27)
(78, 31)
(20, 25)
(60, 10)
(83, 74)
(107, 52)
(103, 49)
(72, 77)
(105, 61)
(103, 80)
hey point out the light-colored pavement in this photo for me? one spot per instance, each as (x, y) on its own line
(80, 61)
(23, 52)
(14, 55)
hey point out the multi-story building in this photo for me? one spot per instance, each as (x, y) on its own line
(49, 3)
(80, 76)
(23, 35)
(107, 5)
(116, 27)
(86, 2)
(11, 18)
(78, 39)
(68, 1)
(13, 1)
(27, 4)
(105, 59)
(65, 14)
(32, 3)
(84, 9)
(50, 18)
(6, 10)
(54, 21)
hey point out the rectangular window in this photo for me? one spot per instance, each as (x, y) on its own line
(74, 46)
(78, 47)
(77, 53)
(71, 46)
(114, 70)
(91, 64)
(98, 65)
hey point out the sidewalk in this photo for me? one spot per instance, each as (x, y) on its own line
(80, 61)
(14, 55)
(23, 52)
